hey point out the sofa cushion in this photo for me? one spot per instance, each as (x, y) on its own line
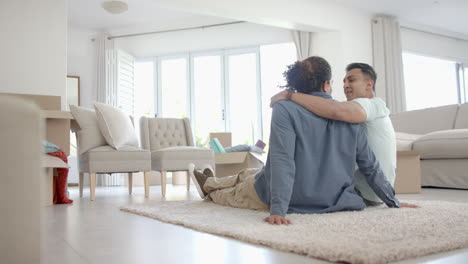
(446, 144)
(116, 126)
(89, 135)
(415, 122)
(405, 141)
(177, 158)
(108, 159)
(462, 117)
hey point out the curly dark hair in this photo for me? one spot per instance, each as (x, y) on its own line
(308, 75)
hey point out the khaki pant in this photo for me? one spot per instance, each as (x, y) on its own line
(235, 191)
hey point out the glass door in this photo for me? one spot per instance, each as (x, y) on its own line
(243, 92)
(173, 83)
(207, 103)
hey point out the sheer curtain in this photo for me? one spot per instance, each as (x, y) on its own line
(106, 86)
(388, 62)
(106, 90)
(303, 42)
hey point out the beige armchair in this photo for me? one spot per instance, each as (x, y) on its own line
(95, 156)
(172, 148)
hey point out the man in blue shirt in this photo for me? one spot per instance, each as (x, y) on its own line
(311, 159)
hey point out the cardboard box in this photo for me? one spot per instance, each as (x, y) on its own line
(57, 121)
(50, 165)
(408, 172)
(232, 163)
(224, 138)
(58, 128)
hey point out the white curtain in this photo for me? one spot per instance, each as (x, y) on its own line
(106, 90)
(303, 42)
(388, 62)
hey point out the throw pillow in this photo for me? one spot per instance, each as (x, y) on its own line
(116, 126)
(89, 136)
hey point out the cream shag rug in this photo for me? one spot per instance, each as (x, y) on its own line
(375, 235)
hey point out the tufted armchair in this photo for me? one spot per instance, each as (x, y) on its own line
(170, 141)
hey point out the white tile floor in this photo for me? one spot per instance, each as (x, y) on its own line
(97, 232)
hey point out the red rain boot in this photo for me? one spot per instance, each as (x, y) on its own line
(60, 182)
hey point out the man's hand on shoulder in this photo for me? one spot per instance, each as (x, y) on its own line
(277, 220)
(283, 95)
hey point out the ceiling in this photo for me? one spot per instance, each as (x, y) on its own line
(141, 15)
(448, 17)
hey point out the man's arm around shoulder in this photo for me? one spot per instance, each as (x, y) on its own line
(350, 111)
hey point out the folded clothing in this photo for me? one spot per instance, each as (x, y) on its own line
(244, 148)
(216, 146)
(49, 147)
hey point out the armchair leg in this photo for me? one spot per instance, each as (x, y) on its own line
(81, 184)
(163, 183)
(130, 182)
(92, 184)
(146, 175)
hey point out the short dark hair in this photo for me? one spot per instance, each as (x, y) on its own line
(308, 75)
(366, 69)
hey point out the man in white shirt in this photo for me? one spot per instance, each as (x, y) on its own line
(362, 107)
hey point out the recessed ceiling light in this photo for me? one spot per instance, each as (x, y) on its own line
(115, 7)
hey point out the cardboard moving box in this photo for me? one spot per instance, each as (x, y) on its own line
(231, 163)
(408, 172)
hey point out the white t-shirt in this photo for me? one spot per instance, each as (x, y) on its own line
(381, 138)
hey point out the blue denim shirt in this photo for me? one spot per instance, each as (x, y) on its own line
(311, 163)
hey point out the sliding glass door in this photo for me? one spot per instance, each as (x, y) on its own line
(207, 102)
(243, 88)
(222, 90)
(174, 89)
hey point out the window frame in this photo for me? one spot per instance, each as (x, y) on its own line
(225, 100)
(459, 71)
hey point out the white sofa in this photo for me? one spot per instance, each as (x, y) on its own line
(440, 135)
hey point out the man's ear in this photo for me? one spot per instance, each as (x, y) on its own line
(327, 87)
(370, 85)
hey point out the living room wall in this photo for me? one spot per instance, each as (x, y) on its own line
(434, 45)
(33, 47)
(82, 62)
(342, 34)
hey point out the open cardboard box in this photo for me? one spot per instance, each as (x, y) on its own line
(408, 172)
(231, 163)
(50, 165)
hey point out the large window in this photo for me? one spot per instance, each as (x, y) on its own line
(243, 86)
(144, 88)
(208, 103)
(463, 83)
(173, 83)
(222, 90)
(431, 82)
(273, 64)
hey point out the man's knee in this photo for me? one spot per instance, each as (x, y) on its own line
(245, 173)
